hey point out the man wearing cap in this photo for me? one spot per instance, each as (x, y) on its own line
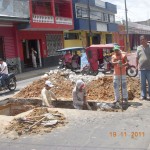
(79, 96)
(119, 60)
(47, 94)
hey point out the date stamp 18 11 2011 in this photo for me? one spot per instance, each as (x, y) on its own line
(127, 134)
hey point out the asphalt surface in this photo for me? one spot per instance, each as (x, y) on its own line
(20, 85)
(89, 130)
(92, 130)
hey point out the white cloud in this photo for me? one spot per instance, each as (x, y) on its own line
(138, 10)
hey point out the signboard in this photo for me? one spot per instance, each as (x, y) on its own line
(14, 8)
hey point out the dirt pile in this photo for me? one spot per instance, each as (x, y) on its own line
(102, 89)
(98, 89)
(62, 87)
(39, 121)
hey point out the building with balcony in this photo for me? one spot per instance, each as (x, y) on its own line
(12, 13)
(48, 20)
(99, 26)
(26, 24)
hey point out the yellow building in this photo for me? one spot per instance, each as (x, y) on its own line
(80, 38)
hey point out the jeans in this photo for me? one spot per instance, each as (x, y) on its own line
(145, 76)
(3, 77)
(117, 84)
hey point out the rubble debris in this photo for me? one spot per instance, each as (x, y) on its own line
(112, 107)
(99, 88)
(39, 121)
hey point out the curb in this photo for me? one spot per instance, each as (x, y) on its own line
(33, 73)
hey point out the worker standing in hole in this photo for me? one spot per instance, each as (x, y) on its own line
(119, 60)
(47, 94)
(79, 96)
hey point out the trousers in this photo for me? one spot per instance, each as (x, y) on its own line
(117, 83)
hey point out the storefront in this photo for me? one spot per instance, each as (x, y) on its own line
(45, 44)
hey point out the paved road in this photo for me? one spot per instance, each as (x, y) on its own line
(20, 85)
(92, 130)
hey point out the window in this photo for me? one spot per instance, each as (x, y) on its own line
(57, 10)
(111, 18)
(105, 17)
(54, 42)
(71, 36)
(83, 13)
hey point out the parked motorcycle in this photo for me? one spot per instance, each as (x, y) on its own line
(10, 82)
(131, 70)
(13, 68)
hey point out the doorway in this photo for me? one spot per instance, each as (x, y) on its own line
(108, 38)
(27, 45)
(2, 54)
(96, 38)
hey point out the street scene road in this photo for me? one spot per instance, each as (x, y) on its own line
(90, 130)
(83, 75)
(20, 84)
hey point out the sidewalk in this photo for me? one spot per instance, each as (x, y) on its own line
(33, 73)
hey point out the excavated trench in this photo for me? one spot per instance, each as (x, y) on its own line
(13, 106)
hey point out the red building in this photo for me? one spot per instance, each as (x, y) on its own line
(42, 30)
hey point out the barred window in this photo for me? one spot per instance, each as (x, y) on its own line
(54, 42)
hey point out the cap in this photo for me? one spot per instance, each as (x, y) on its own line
(116, 47)
(48, 83)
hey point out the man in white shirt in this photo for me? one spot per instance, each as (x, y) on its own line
(3, 72)
(47, 94)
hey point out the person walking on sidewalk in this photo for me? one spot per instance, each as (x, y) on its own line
(47, 94)
(119, 60)
(143, 64)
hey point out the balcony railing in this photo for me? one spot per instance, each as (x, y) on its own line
(43, 19)
(63, 20)
(50, 19)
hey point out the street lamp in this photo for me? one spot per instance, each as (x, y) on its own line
(127, 31)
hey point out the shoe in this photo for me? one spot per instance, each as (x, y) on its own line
(143, 98)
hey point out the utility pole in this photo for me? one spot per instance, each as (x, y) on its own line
(127, 31)
(89, 20)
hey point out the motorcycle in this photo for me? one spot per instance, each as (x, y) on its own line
(10, 82)
(131, 70)
(13, 68)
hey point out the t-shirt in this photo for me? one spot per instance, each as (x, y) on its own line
(117, 67)
(2, 66)
(47, 96)
(143, 56)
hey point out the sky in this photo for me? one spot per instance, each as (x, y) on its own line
(138, 10)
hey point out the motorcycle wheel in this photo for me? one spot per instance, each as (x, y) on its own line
(132, 71)
(12, 84)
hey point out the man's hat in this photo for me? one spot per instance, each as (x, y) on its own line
(49, 83)
(116, 47)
